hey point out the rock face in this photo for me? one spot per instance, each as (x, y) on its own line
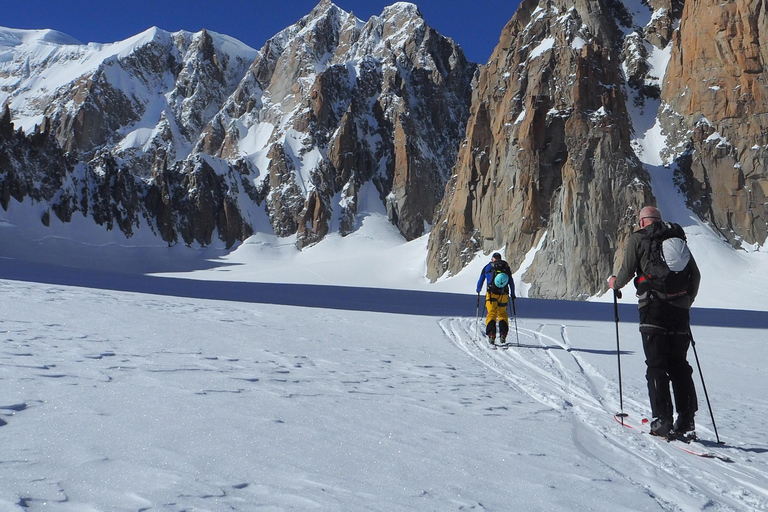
(112, 127)
(198, 136)
(332, 104)
(716, 114)
(547, 160)
(33, 166)
(188, 204)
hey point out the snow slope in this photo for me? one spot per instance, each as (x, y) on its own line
(131, 392)
(338, 378)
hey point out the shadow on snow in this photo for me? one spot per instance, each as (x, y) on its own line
(377, 300)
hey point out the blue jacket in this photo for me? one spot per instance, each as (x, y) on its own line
(486, 276)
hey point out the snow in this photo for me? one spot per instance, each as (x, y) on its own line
(658, 60)
(10, 37)
(544, 46)
(336, 378)
(578, 43)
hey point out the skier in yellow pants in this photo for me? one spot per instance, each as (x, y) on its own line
(500, 287)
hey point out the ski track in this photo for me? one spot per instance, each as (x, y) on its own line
(547, 370)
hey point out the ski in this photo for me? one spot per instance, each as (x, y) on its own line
(681, 442)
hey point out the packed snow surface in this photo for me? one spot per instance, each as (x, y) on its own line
(337, 379)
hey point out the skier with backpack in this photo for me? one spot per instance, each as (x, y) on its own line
(667, 280)
(499, 289)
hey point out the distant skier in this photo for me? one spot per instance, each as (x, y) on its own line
(500, 287)
(667, 281)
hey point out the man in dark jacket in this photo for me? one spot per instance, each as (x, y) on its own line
(664, 327)
(499, 288)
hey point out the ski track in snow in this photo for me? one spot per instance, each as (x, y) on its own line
(545, 368)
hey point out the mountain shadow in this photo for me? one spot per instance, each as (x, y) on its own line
(374, 300)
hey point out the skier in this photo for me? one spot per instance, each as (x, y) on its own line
(664, 317)
(500, 287)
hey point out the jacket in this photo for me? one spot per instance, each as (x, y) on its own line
(636, 264)
(486, 276)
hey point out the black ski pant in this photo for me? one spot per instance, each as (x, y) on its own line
(665, 330)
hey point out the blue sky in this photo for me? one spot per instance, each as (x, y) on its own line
(476, 25)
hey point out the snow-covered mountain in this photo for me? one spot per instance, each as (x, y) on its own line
(197, 137)
(127, 115)
(333, 106)
(155, 89)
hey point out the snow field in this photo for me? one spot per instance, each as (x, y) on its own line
(120, 400)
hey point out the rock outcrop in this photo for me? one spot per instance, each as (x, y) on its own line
(31, 166)
(547, 161)
(715, 113)
(190, 203)
(332, 103)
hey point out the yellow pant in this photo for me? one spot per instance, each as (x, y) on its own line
(496, 304)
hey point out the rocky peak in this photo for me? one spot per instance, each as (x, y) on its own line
(6, 125)
(328, 109)
(666, 16)
(547, 163)
(400, 13)
(337, 105)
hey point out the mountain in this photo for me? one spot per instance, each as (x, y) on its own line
(198, 136)
(548, 162)
(332, 105)
(126, 115)
(573, 114)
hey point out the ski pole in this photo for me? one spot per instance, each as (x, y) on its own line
(477, 319)
(514, 312)
(711, 414)
(616, 297)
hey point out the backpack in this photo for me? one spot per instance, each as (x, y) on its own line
(498, 269)
(668, 273)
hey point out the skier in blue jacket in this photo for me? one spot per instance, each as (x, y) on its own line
(500, 287)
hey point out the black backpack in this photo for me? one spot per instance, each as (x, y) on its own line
(668, 274)
(499, 267)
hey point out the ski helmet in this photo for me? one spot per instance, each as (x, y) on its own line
(501, 280)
